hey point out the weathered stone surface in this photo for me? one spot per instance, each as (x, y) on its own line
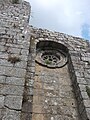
(52, 97)
(12, 71)
(10, 115)
(13, 102)
(11, 90)
(88, 112)
(78, 68)
(2, 79)
(15, 81)
(29, 91)
(2, 101)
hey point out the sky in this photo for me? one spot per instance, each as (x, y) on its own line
(67, 16)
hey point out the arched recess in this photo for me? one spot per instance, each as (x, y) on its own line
(53, 97)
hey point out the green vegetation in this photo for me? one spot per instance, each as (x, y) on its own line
(88, 90)
(15, 1)
(82, 47)
(47, 61)
(88, 62)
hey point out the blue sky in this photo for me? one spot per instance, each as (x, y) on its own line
(67, 16)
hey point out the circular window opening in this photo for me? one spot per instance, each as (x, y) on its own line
(51, 58)
(50, 55)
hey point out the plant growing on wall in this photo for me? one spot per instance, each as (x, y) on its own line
(15, 1)
(88, 62)
(47, 61)
(13, 59)
(88, 90)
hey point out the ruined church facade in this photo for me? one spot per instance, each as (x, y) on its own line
(44, 75)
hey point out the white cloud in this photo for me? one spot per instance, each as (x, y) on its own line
(61, 15)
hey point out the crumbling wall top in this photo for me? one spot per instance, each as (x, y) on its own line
(11, 1)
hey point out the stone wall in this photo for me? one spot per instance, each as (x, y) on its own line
(17, 64)
(79, 65)
(14, 49)
(10, 1)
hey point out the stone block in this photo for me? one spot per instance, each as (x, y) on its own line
(11, 90)
(21, 64)
(79, 73)
(11, 115)
(13, 50)
(82, 87)
(81, 81)
(2, 101)
(2, 112)
(2, 79)
(87, 74)
(88, 113)
(86, 103)
(30, 91)
(4, 62)
(12, 71)
(30, 82)
(15, 81)
(24, 52)
(13, 102)
(84, 95)
(24, 57)
(3, 55)
(16, 72)
(86, 59)
(88, 81)
(2, 70)
(2, 49)
(31, 69)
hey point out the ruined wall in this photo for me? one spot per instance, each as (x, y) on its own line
(78, 66)
(14, 49)
(10, 1)
(24, 90)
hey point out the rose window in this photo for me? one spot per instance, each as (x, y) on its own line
(51, 58)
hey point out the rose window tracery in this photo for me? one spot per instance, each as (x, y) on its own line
(51, 58)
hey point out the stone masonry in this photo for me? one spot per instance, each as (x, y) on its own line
(14, 50)
(78, 65)
(32, 90)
